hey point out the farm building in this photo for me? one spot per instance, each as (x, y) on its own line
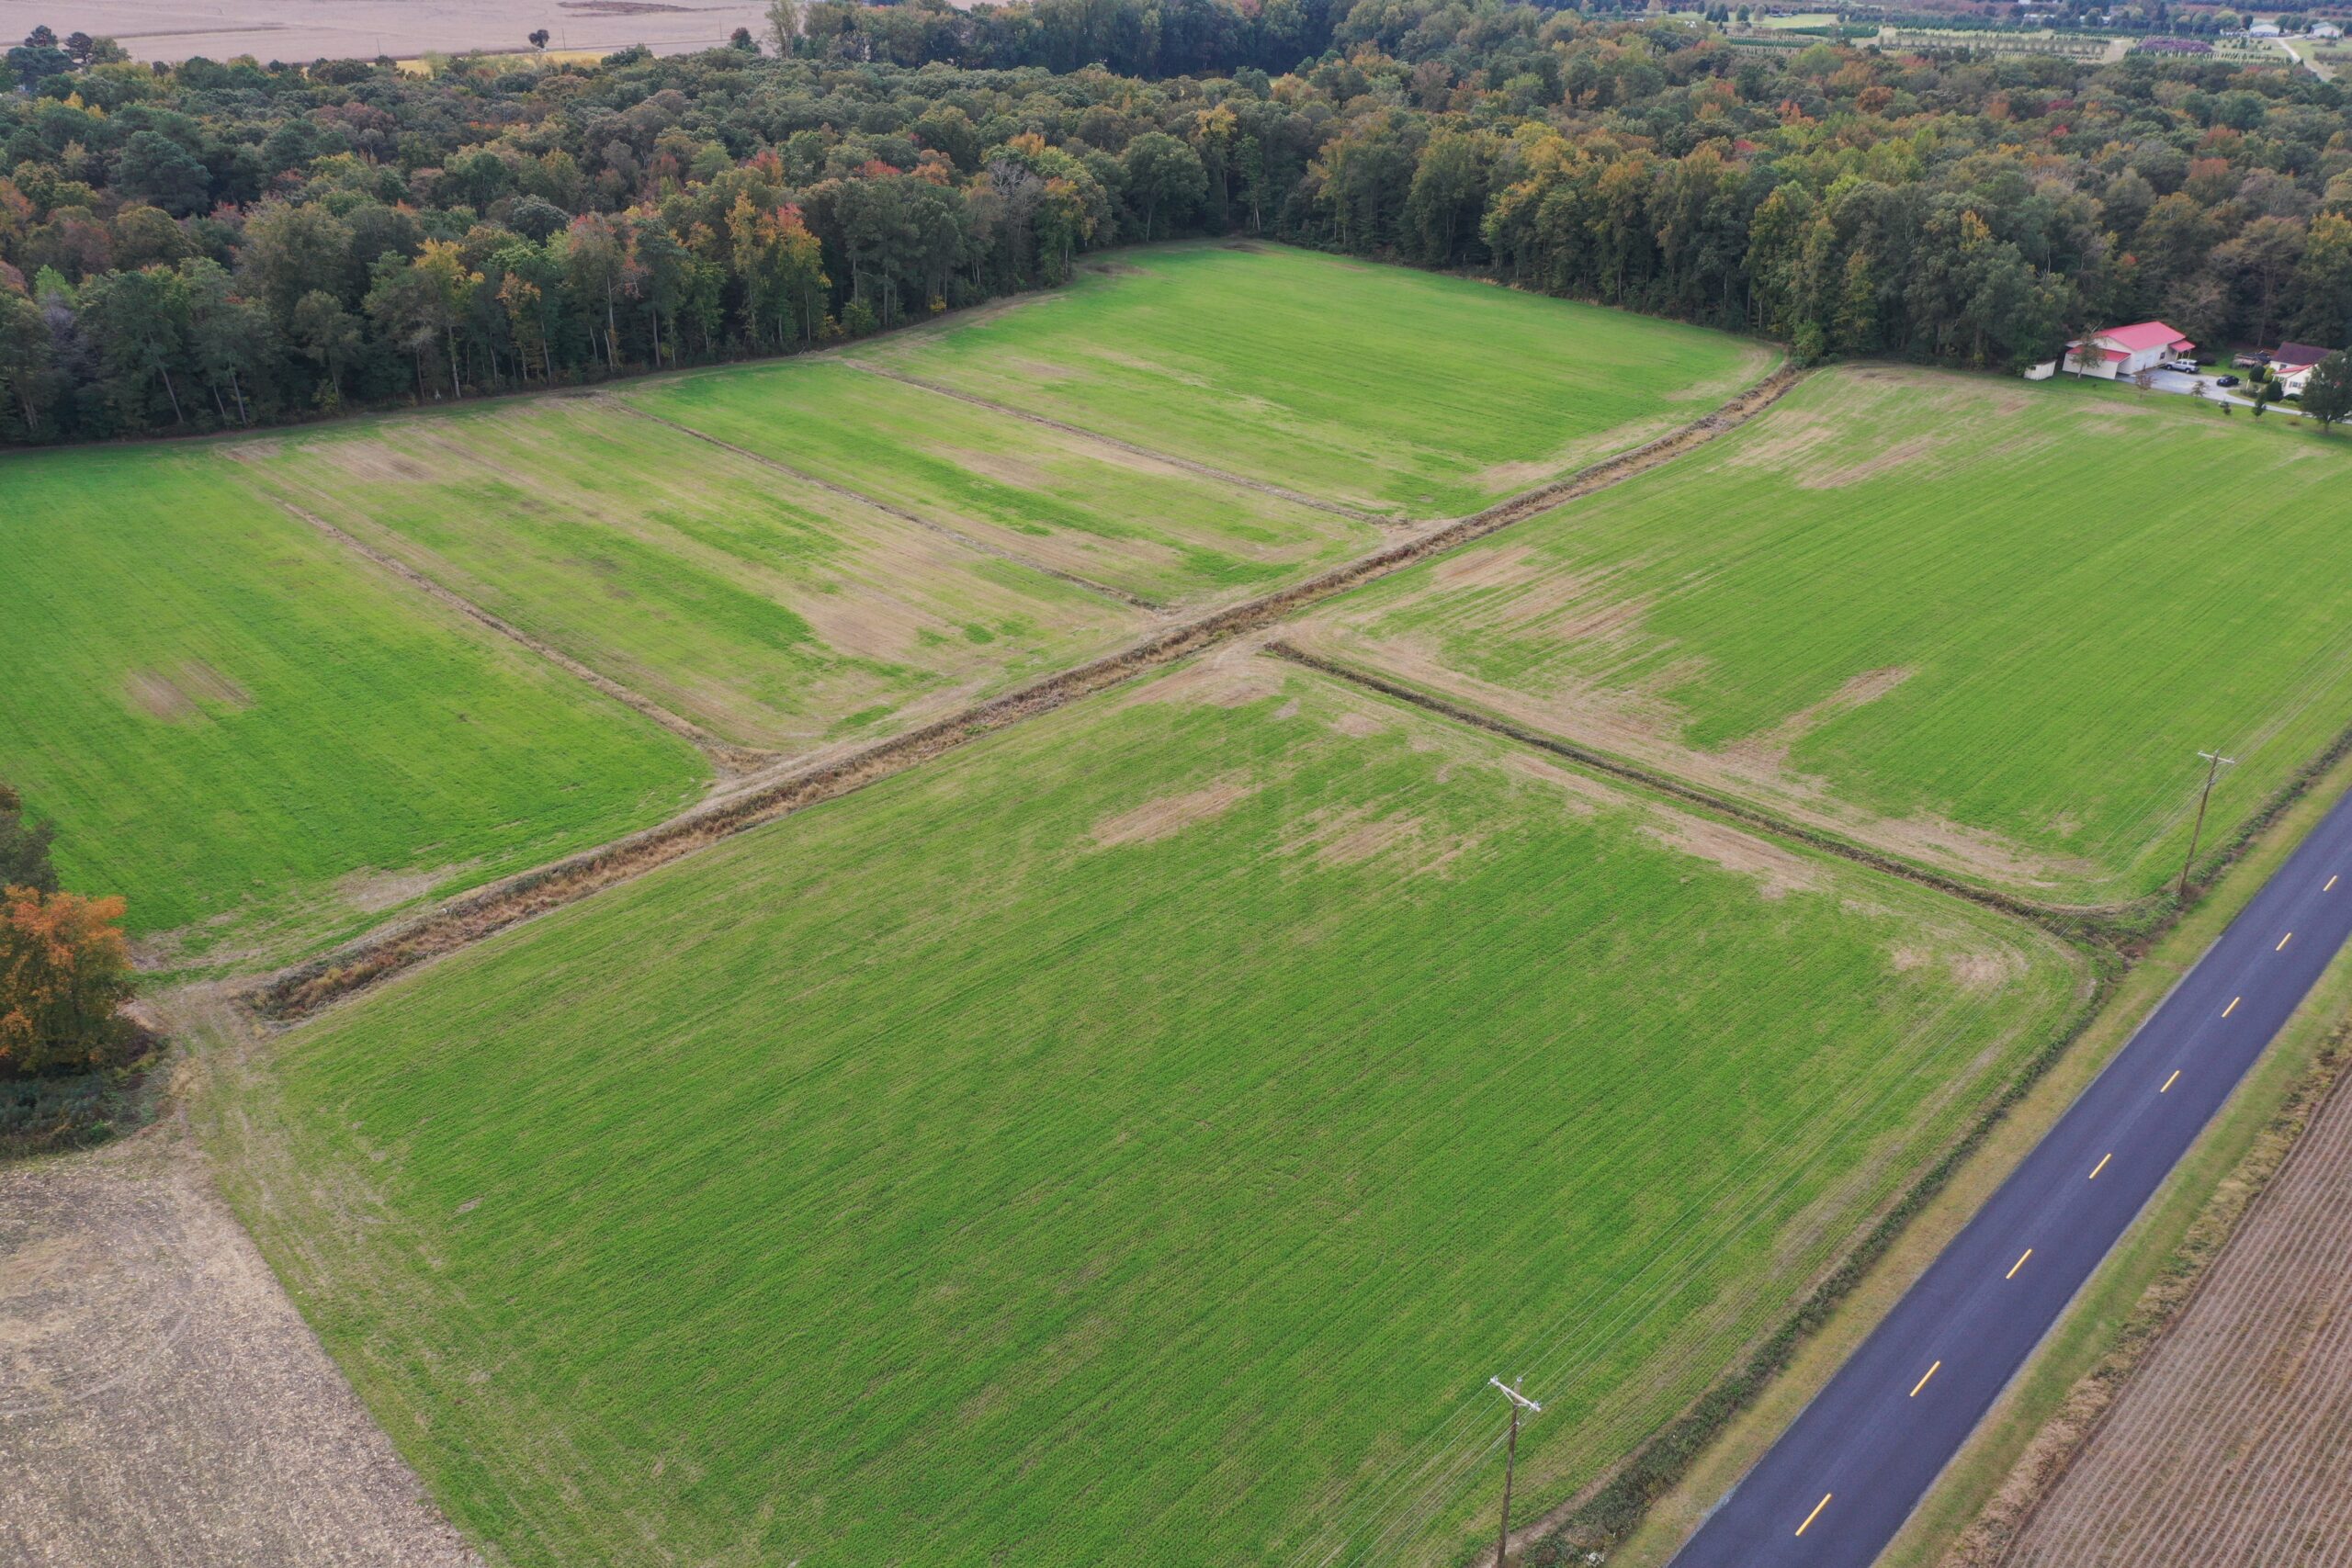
(2293, 378)
(2326, 29)
(2125, 351)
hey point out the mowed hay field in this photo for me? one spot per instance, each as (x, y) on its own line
(264, 743)
(1405, 393)
(1136, 1136)
(1154, 529)
(1981, 625)
(2234, 1433)
(768, 609)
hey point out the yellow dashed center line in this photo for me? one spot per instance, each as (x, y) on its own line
(1923, 1380)
(2100, 1166)
(2018, 1264)
(2283, 941)
(2169, 1082)
(1815, 1514)
(2232, 1007)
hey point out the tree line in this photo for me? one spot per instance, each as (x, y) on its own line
(217, 246)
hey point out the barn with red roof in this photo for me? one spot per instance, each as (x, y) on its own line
(2125, 351)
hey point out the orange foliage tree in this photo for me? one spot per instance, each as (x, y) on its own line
(65, 974)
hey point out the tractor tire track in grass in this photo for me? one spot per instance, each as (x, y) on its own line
(1221, 475)
(305, 989)
(966, 540)
(727, 757)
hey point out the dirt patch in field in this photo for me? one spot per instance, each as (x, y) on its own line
(1172, 814)
(1768, 753)
(2234, 1433)
(161, 1405)
(1581, 795)
(996, 466)
(374, 462)
(1516, 472)
(174, 694)
(374, 891)
(1900, 456)
(1777, 871)
(1353, 835)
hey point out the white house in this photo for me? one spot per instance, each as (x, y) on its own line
(2291, 382)
(2326, 29)
(2263, 29)
(2125, 351)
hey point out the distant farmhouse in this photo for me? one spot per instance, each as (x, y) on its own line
(2293, 363)
(2125, 351)
(2326, 29)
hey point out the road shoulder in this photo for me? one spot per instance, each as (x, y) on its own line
(2091, 1326)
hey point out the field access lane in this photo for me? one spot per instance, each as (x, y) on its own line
(1839, 1483)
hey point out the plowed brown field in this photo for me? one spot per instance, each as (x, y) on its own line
(2235, 1443)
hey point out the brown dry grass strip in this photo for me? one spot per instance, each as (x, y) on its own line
(1298, 497)
(729, 758)
(966, 540)
(303, 991)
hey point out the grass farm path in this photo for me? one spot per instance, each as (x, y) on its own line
(1261, 486)
(969, 542)
(298, 992)
(729, 758)
(1835, 1488)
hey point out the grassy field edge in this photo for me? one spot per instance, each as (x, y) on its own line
(2094, 1322)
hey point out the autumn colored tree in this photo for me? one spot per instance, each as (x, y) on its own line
(65, 974)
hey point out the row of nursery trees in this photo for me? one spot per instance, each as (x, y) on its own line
(217, 246)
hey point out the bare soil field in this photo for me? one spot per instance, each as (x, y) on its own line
(313, 29)
(162, 1401)
(2236, 1435)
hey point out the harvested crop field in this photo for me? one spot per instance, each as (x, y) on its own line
(264, 743)
(1433, 397)
(1137, 1132)
(161, 1402)
(2235, 1435)
(1151, 528)
(1980, 626)
(362, 30)
(769, 610)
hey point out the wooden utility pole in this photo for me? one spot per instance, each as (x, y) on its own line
(2215, 763)
(1519, 1402)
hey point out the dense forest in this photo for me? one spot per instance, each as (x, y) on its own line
(216, 245)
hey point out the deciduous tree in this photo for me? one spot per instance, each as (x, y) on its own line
(65, 975)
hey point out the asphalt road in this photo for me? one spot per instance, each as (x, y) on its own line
(1839, 1483)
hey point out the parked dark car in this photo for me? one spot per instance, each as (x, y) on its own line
(2225, 380)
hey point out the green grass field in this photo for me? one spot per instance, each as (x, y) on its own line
(264, 744)
(772, 611)
(1135, 1137)
(1403, 393)
(1983, 625)
(1153, 529)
